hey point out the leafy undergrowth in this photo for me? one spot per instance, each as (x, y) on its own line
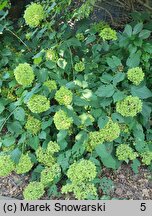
(73, 100)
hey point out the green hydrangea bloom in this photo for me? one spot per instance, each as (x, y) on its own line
(33, 125)
(64, 96)
(146, 157)
(49, 174)
(80, 36)
(8, 148)
(124, 128)
(98, 27)
(50, 84)
(95, 138)
(33, 191)
(81, 191)
(135, 75)
(24, 164)
(44, 157)
(111, 131)
(6, 165)
(38, 104)
(79, 67)
(24, 74)
(82, 171)
(62, 121)
(51, 55)
(53, 147)
(125, 152)
(129, 106)
(108, 34)
(34, 14)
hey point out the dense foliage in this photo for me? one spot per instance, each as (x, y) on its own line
(74, 97)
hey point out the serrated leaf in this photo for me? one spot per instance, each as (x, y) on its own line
(144, 34)
(141, 91)
(138, 28)
(133, 60)
(105, 91)
(102, 121)
(128, 30)
(118, 96)
(19, 114)
(118, 78)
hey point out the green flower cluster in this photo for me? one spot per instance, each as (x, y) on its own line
(33, 191)
(33, 125)
(95, 138)
(79, 67)
(135, 75)
(98, 27)
(24, 74)
(49, 174)
(82, 191)
(111, 131)
(80, 36)
(34, 14)
(62, 121)
(45, 156)
(124, 128)
(51, 55)
(130, 106)
(24, 164)
(146, 157)
(81, 174)
(53, 147)
(6, 165)
(50, 84)
(38, 104)
(64, 96)
(108, 34)
(82, 171)
(125, 152)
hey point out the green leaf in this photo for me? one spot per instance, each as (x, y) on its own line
(118, 78)
(33, 142)
(15, 155)
(107, 159)
(135, 166)
(141, 91)
(105, 91)
(144, 34)
(137, 28)
(102, 121)
(61, 63)
(1, 107)
(15, 127)
(8, 141)
(128, 30)
(19, 114)
(133, 60)
(61, 139)
(90, 39)
(118, 95)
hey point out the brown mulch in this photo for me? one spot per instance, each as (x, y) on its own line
(127, 184)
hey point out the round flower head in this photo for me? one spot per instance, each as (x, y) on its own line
(53, 147)
(98, 27)
(79, 67)
(33, 191)
(62, 121)
(51, 55)
(108, 34)
(33, 125)
(125, 152)
(111, 131)
(50, 84)
(80, 36)
(6, 165)
(38, 104)
(24, 164)
(130, 106)
(82, 171)
(63, 96)
(146, 157)
(81, 191)
(33, 15)
(48, 175)
(44, 157)
(24, 74)
(135, 75)
(95, 138)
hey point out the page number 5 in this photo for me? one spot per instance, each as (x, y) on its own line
(143, 207)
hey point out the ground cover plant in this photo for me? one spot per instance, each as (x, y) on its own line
(74, 97)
